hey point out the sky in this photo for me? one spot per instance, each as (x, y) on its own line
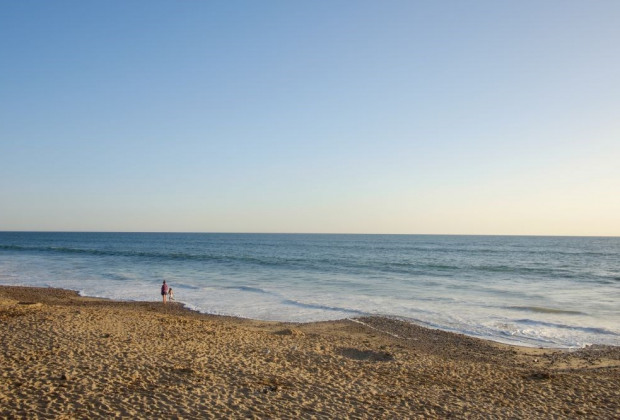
(405, 117)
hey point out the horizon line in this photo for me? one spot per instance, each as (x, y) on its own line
(308, 233)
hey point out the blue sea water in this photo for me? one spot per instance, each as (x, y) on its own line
(534, 291)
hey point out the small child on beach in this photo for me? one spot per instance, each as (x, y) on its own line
(170, 294)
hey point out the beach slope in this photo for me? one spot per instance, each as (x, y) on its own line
(65, 356)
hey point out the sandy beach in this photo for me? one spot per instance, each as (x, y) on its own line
(65, 356)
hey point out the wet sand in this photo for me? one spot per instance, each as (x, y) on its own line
(65, 356)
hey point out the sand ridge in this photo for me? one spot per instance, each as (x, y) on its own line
(65, 356)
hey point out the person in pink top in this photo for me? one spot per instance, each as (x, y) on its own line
(164, 291)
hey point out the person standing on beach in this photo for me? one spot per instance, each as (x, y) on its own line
(164, 291)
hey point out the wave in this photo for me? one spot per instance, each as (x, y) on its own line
(88, 251)
(323, 307)
(333, 263)
(594, 330)
(546, 272)
(114, 276)
(541, 309)
(320, 264)
(249, 289)
(442, 247)
(186, 286)
(143, 254)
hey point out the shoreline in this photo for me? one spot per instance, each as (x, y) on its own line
(65, 355)
(395, 318)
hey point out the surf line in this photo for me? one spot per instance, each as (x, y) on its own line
(381, 331)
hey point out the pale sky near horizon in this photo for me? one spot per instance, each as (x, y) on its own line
(446, 117)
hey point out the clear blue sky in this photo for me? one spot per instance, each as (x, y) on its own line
(479, 117)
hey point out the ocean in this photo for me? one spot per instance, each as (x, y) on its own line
(553, 292)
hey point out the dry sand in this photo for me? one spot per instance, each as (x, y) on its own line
(65, 356)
